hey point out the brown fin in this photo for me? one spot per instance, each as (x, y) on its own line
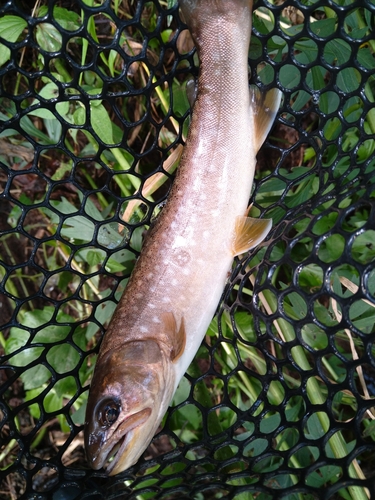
(249, 233)
(176, 336)
(264, 107)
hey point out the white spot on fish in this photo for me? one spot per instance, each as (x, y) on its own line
(143, 329)
(183, 257)
(174, 282)
(152, 306)
(186, 271)
(138, 295)
(180, 241)
(156, 319)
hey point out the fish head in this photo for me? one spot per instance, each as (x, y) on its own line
(130, 392)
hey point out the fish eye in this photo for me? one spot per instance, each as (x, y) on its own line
(109, 413)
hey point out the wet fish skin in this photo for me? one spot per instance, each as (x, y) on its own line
(177, 282)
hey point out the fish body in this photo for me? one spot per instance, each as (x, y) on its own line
(179, 277)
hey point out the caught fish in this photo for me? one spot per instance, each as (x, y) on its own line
(179, 277)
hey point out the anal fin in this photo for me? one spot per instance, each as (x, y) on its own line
(249, 232)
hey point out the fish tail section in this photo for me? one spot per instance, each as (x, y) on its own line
(263, 109)
(249, 232)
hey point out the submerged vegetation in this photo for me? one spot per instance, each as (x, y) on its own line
(93, 113)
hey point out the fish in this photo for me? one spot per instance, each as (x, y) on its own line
(178, 279)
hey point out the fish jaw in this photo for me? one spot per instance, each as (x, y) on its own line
(99, 452)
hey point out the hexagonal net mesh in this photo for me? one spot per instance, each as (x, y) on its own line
(279, 401)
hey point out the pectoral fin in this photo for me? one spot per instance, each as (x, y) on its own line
(176, 336)
(249, 232)
(264, 107)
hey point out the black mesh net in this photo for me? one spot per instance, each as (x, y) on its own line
(279, 402)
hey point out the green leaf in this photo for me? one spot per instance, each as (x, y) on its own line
(338, 51)
(65, 387)
(31, 394)
(11, 28)
(68, 19)
(324, 27)
(331, 248)
(101, 123)
(38, 317)
(266, 75)
(61, 171)
(314, 426)
(78, 228)
(365, 58)
(308, 51)
(369, 429)
(63, 206)
(31, 130)
(305, 191)
(105, 311)
(48, 37)
(298, 308)
(93, 256)
(310, 276)
(78, 416)
(245, 326)
(52, 402)
(290, 76)
(121, 261)
(301, 99)
(63, 358)
(256, 447)
(348, 79)
(14, 216)
(315, 80)
(323, 475)
(179, 99)
(189, 413)
(271, 185)
(269, 423)
(182, 392)
(36, 376)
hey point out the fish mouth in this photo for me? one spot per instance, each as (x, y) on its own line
(114, 455)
